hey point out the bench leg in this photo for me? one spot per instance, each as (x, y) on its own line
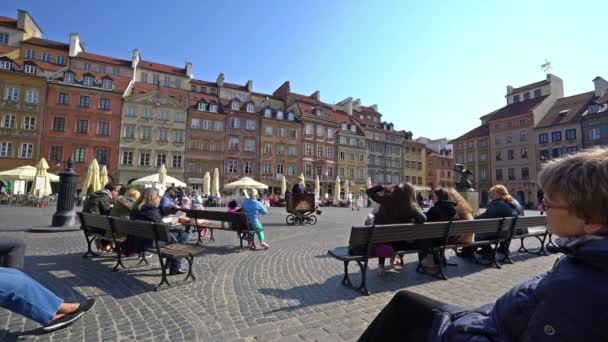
(541, 251)
(190, 274)
(200, 236)
(440, 262)
(362, 286)
(211, 238)
(163, 279)
(506, 259)
(118, 260)
(89, 249)
(493, 262)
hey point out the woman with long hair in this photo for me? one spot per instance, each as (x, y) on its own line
(464, 213)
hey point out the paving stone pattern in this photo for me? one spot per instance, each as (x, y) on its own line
(291, 292)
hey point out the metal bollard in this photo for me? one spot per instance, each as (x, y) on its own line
(68, 182)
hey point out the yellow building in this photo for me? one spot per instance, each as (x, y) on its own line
(352, 154)
(414, 165)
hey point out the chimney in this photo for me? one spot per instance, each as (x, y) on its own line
(374, 107)
(250, 86)
(509, 90)
(189, 69)
(135, 58)
(75, 45)
(316, 95)
(347, 103)
(283, 91)
(356, 104)
(220, 80)
(601, 86)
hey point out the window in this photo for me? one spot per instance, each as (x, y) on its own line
(58, 124)
(195, 123)
(103, 128)
(571, 150)
(144, 76)
(330, 133)
(267, 113)
(267, 168)
(498, 155)
(161, 159)
(290, 116)
(594, 108)
(233, 144)
(4, 38)
(219, 126)
(79, 155)
(202, 106)
(268, 131)
(249, 108)
(106, 83)
(82, 126)
(361, 157)
(320, 151)
(177, 162)
(30, 54)
(146, 133)
(116, 71)
(330, 152)
(282, 132)
(281, 150)
(293, 151)
(525, 173)
(178, 83)
(341, 171)
(320, 131)
(509, 138)
(163, 115)
(523, 136)
(571, 134)
(144, 159)
(232, 166)
(127, 158)
(524, 152)
(235, 105)
(342, 140)
(88, 81)
(45, 57)
(29, 69)
(543, 138)
(280, 169)
(498, 174)
(361, 172)
(85, 101)
(12, 94)
(268, 148)
(516, 100)
(351, 156)
(537, 93)
(6, 149)
(27, 150)
(557, 153)
(5, 65)
(29, 122)
(308, 149)
(56, 153)
(293, 134)
(279, 115)
(64, 98)
(523, 122)
(353, 141)
(510, 154)
(497, 140)
(249, 145)
(470, 157)
(148, 113)
(87, 67)
(166, 81)
(178, 136)
(213, 108)
(351, 172)
(544, 154)
(235, 123)
(526, 96)
(129, 132)
(9, 121)
(180, 117)
(510, 124)
(250, 125)
(248, 167)
(163, 134)
(291, 169)
(101, 68)
(484, 174)
(104, 103)
(309, 129)
(594, 134)
(511, 173)
(102, 156)
(556, 136)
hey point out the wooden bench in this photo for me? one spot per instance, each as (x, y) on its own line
(221, 220)
(95, 227)
(164, 246)
(541, 233)
(502, 230)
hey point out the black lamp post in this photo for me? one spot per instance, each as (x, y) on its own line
(68, 182)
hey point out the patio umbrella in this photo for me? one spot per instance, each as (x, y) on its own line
(92, 179)
(369, 182)
(26, 172)
(103, 176)
(41, 168)
(317, 186)
(206, 183)
(215, 186)
(155, 179)
(346, 189)
(245, 183)
(283, 186)
(162, 175)
(303, 179)
(337, 195)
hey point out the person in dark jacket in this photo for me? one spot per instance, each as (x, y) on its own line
(101, 202)
(568, 303)
(443, 209)
(168, 203)
(299, 189)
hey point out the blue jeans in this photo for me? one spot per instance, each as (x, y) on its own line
(23, 295)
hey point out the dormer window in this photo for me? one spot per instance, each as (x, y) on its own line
(344, 126)
(361, 116)
(107, 83)
(235, 105)
(317, 112)
(537, 93)
(202, 106)
(563, 113)
(280, 115)
(29, 69)
(290, 116)
(526, 96)
(249, 108)
(88, 81)
(5, 65)
(267, 113)
(68, 77)
(516, 98)
(353, 128)
(594, 108)
(213, 108)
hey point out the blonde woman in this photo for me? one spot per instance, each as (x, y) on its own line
(464, 213)
(502, 204)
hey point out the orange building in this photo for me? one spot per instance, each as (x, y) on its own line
(439, 169)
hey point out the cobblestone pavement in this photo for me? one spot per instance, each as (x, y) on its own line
(291, 292)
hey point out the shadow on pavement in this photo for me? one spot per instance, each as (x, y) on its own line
(7, 336)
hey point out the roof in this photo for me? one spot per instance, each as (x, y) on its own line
(530, 86)
(603, 99)
(179, 95)
(307, 99)
(227, 103)
(516, 108)
(169, 69)
(574, 106)
(8, 22)
(307, 110)
(104, 59)
(6, 49)
(235, 86)
(51, 44)
(201, 82)
(42, 65)
(477, 132)
(121, 82)
(196, 97)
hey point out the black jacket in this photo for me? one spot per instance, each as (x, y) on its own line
(501, 208)
(442, 211)
(376, 194)
(148, 212)
(298, 189)
(99, 202)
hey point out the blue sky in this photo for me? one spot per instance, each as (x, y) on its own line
(432, 67)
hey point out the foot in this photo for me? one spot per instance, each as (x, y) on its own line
(177, 271)
(148, 255)
(265, 245)
(381, 271)
(65, 320)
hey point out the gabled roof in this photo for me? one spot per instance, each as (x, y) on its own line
(477, 132)
(42, 65)
(567, 110)
(195, 98)
(308, 99)
(530, 86)
(169, 69)
(516, 108)
(179, 95)
(51, 44)
(8, 22)
(121, 82)
(104, 59)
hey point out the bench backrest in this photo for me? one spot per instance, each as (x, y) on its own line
(142, 229)
(481, 226)
(410, 231)
(531, 221)
(238, 220)
(94, 221)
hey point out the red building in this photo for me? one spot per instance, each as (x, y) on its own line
(83, 114)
